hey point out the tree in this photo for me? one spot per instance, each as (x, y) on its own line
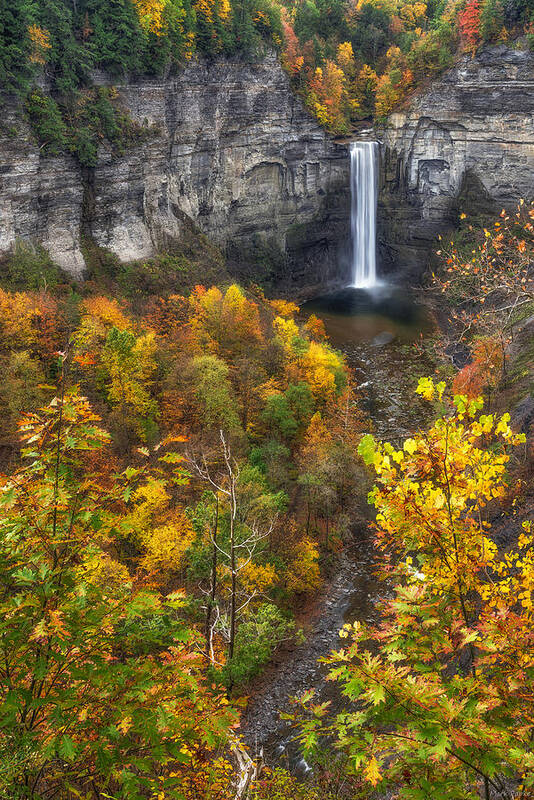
(215, 396)
(113, 31)
(328, 98)
(491, 19)
(488, 289)
(227, 325)
(292, 58)
(469, 24)
(100, 690)
(249, 520)
(16, 19)
(444, 695)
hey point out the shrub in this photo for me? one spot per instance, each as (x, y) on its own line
(46, 122)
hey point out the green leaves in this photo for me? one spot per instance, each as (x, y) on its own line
(367, 448)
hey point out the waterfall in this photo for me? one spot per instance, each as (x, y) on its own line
(363, 192)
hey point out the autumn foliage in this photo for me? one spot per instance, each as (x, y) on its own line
(354, 60)
(154, 513)
(442, 687)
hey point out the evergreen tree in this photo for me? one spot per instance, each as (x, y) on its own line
(68, 60)
(16, 16)
(111, 31)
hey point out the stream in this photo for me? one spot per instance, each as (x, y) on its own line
(377, 331)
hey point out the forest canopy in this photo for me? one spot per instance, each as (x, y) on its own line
(349, 59)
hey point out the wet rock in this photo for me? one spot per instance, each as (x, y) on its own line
(383, 338)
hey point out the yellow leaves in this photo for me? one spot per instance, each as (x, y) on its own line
(327, 95)
(284, 308)
(40, 43)
(430, 499)
(149, 499)
(165, 545)
(410, 446)
(345, 57)
(320, 365)
(18, 311)
(372, 772)
(287, 330)
(125, 724)
(205, 9)
(224, 324)
(428, 389)
(317, 439)
(303, 572)
(223, 10)
(256, 578)
(107, 313)
(104, 572)
(151, 15)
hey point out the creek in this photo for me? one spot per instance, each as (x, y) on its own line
(377, 331)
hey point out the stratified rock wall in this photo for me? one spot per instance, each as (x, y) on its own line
(465, 144)
(232, 150)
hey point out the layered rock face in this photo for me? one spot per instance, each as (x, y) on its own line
(231, 150)
(465, 144)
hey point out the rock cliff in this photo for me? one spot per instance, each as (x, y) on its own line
(467, 143)
(232, 150)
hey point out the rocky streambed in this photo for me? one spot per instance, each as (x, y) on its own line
(378, 333)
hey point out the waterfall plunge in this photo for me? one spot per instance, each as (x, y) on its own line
(363, 192)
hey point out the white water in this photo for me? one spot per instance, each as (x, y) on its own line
(363, 192)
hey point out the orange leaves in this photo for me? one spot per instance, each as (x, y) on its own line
(315, 327)
(106, 313)
(491, 285)
(40, 44)
(292, 58)
(484, 372)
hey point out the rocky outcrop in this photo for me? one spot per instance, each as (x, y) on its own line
(231, 150)
(465, 144)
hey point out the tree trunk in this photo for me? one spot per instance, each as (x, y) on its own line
(213, 587)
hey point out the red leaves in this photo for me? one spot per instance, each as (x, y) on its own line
(469, 24)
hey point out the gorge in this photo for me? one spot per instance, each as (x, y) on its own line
(257, 422)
